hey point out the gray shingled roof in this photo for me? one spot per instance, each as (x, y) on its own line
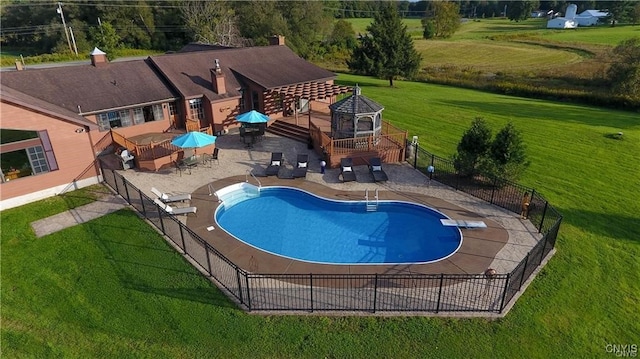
(90, 89)
(267, 66)
(114, 85)
(356, 104)
(20, 99)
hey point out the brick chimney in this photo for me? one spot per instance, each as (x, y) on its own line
(98, 57)
(276, 40)
(217, 79)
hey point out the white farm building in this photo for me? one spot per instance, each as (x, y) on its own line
(571, 20)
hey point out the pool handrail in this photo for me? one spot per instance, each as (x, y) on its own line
(250, 172)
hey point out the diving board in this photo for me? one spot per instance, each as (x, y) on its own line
(462, 223)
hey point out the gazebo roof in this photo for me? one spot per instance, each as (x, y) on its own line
(356, 103)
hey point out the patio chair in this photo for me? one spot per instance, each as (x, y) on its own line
(181, 167)
(375, 167)
(212, 157)
(302, 164)
(275, 165)
(346, 170)
(170, 198)
(127, 159)
(175, 210)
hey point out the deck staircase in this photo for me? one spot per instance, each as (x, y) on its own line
(289, 130)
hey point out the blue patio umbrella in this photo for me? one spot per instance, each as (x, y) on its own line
(193, 140)
(252, 116)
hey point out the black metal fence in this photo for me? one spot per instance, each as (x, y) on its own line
(370, 293)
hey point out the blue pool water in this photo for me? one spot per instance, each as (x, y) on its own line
(296, 224)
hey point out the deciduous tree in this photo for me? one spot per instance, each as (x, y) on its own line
(521, 10)
(444, 20)
(387, 50)
(624, 73)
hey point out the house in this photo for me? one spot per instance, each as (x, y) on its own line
(57, 121)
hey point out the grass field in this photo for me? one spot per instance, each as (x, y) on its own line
(113, 288)
(499, 45)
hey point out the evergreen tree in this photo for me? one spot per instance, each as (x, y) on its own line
(472, 148)
(507, 155)
(387, 51)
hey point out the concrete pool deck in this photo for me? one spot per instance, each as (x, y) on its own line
(501, 246)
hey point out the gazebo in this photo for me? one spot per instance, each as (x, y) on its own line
(356, 116)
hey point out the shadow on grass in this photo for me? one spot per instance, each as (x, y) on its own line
(617, 226)
(361, 83)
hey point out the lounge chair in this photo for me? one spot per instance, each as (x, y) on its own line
(302, 164)
(346, 170)
(375, 167)
(170, 198)
(275, 165)
(175, 210)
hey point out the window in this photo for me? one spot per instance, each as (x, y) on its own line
(173, 109)
(195, 109)
(242, 103)
(138, 116)
(158, 114)
(129, 117)
(37, 160)
(33, 156)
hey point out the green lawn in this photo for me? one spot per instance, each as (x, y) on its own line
(497, 45)
(113, 288)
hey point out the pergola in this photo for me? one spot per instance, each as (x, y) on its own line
(309, 91)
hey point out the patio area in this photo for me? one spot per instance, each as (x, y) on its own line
(501, 246)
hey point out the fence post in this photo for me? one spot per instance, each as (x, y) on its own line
(239, 286)
(415, 156)
(246, 280)
(115, 181)
(440, 292)
(524, 269)
(544, 214)
(544, 245)
(311, 289)
(375, 291)
(126, 189)
(206, 250)
(493, 189)
(144, 210)
(504, 292)
(184, 245)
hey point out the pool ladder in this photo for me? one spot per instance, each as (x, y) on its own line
(371, 205)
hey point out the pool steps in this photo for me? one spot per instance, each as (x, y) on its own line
(370, 204)
(236, 193)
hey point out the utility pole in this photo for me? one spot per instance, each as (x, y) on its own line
(73, 39)
(64, 24)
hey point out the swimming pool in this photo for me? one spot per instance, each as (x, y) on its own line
(296, 224)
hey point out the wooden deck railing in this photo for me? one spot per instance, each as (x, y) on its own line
(153, 150)
(389, 145)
